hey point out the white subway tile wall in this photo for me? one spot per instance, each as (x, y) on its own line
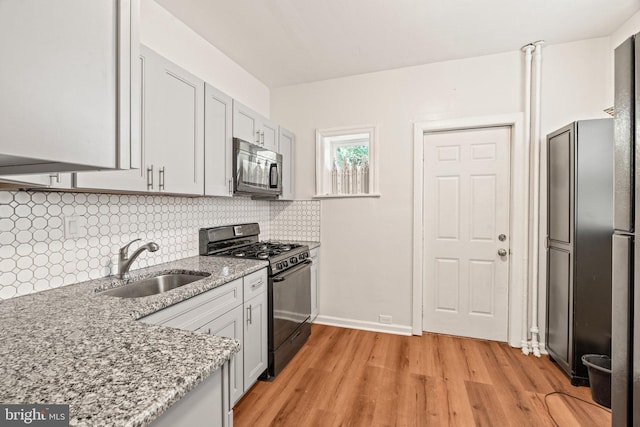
(35, 255)
(295, 220)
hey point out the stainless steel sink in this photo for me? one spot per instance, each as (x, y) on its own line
(154, 285)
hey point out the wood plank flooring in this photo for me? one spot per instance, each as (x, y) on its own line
(347, 377)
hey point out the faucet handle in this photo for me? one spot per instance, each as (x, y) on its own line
(125, 249)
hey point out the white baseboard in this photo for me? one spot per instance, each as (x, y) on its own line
(363, 325)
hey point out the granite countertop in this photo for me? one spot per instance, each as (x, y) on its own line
(72, 345)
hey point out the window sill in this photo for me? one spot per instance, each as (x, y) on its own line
(346, 196)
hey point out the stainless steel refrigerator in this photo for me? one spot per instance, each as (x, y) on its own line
(625, 387)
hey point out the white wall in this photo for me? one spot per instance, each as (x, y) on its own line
(171, 38)
(366, 243)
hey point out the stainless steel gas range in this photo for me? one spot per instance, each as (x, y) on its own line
(289, 285)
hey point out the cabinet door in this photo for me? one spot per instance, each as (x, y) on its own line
(229, 325)
(65, 82)
(174, 126)
(559, 307)
(218, 143)
(286, 143)
(140, 179)
(205, 406)
(255, 339)
(246, 123)
(560, 186)
(314, 283)
(269, 135)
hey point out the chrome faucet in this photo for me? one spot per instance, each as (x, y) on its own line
(124, 260)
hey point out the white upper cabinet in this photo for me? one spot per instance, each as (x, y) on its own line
(286, 148)
(172, 134)
(174, 126)
(50, 180)
(246, 123)
(218, 143)
(66, 81)
(253, 127)
(269, 135)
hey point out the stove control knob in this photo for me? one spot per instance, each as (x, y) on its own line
(285, 264)
(279, 265)
(293, 260)
(301, 256)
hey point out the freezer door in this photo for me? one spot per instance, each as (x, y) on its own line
(621, 355)
(624, 132)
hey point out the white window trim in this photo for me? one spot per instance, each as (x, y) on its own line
(323, 165)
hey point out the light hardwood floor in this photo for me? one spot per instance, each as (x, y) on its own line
(346, 377)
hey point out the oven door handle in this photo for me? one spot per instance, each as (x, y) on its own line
(281, 277)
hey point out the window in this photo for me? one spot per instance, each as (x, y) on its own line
(346, 162)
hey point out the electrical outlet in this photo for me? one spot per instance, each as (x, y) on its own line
(75, 227)
(383, 318)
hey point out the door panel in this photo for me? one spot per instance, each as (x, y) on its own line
(621, 358)
(447, 284)
(175, 127)
(624, 136)
(466, 207)
(448, 222)
(246, 123)
(560, 157)
(218, 143)
(558, 304)
(230, 325)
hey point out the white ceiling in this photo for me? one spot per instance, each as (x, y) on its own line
(284, 42)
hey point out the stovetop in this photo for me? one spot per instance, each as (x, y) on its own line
(242, 241)
(281, 256)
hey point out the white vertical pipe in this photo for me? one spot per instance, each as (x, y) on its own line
(535, 333)
(525, 194)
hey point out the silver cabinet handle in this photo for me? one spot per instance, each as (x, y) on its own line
(161, 178)
(230, 187)
(249, 319)
(502, 252)
(262, 137)
(258, 136)
(150, 178)
(257, 284)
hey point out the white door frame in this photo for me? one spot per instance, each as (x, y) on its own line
(518, 220)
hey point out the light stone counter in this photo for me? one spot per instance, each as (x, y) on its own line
(72, 345)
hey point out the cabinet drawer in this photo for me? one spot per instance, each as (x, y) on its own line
(255, 284)
(196, 311)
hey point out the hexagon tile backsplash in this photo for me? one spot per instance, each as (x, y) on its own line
(35, 255)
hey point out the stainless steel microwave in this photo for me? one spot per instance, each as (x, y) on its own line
(258, 171)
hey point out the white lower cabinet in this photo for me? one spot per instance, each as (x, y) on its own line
(255, 339)
(314, 254)
(229, 325)
(235, 310)
(207, 405)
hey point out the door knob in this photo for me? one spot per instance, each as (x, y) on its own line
(502, 252)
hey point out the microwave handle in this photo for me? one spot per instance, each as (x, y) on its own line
(273, 175)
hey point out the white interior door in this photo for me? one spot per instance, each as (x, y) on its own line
(466, 209)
